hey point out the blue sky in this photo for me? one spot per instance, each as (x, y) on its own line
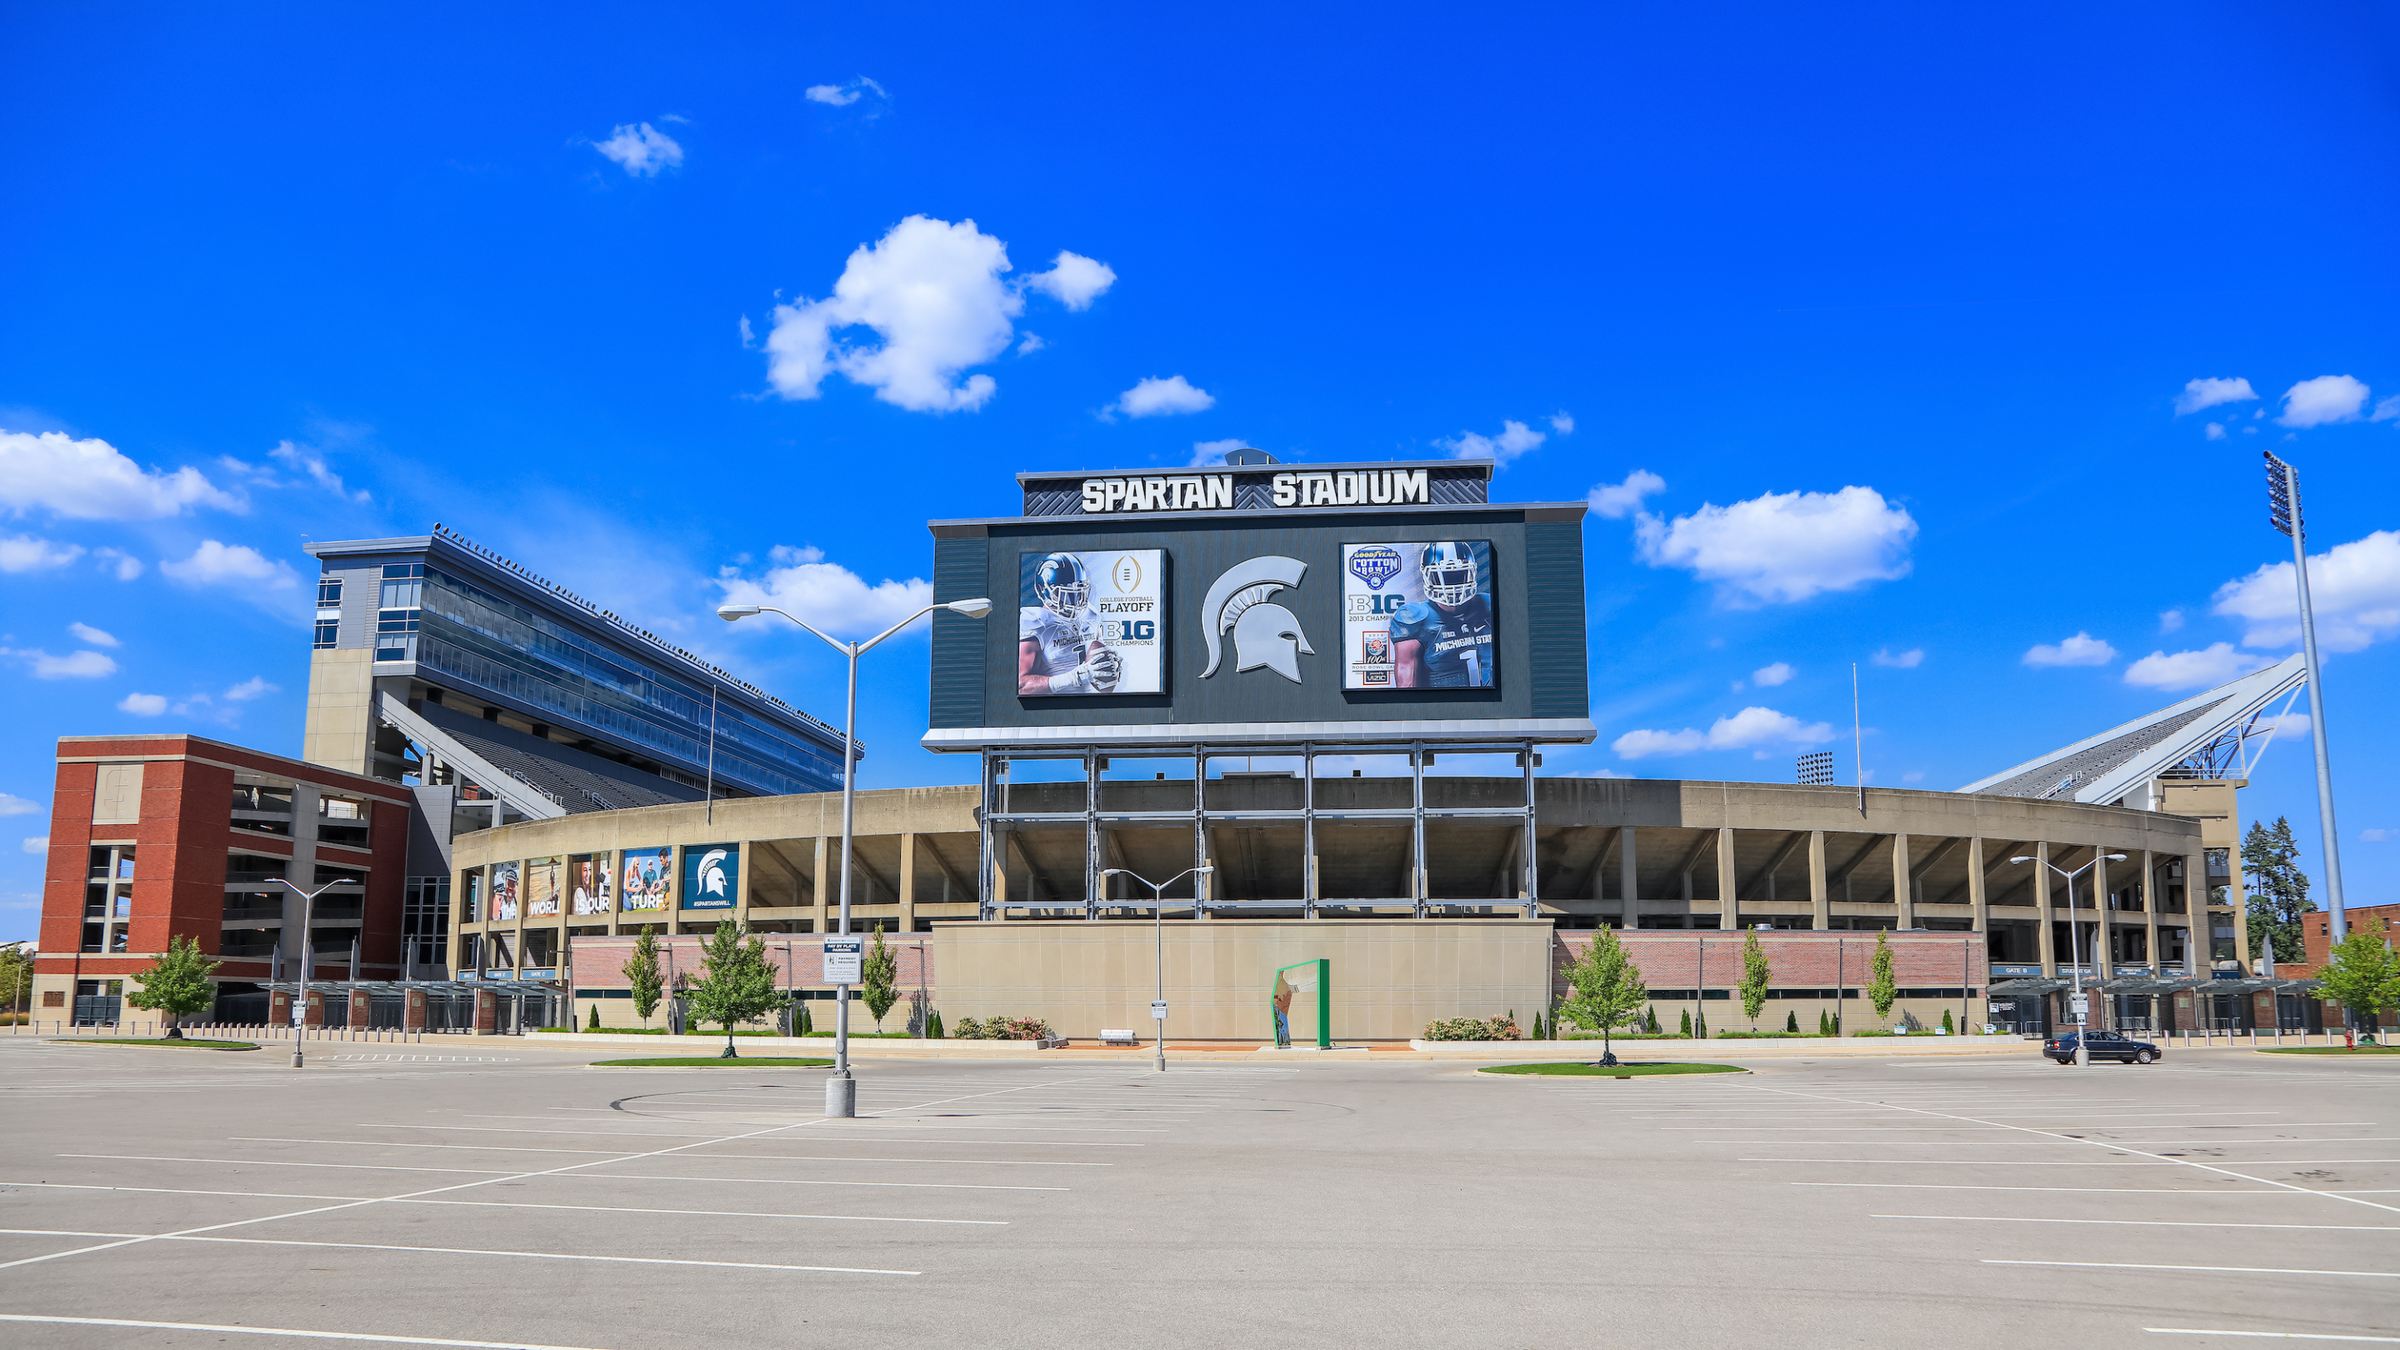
(1871, 331)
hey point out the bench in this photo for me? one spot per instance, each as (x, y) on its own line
(1108, 1037)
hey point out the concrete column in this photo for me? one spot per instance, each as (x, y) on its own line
(822, 898)
(2104, 927)
(741, 888)
(908, 883)
(2195, 913)
(1728, 904)
(2150, 897)
(2241, 911)
(1628, 877)
(1978, 896)
(1904, 889)
(1820, 896)
(2045, 942)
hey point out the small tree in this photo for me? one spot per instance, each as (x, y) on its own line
(1608, 989)
(878, 978)
(1791, 1022)
(176, 983)
(1652, 1026)
(739, 985)
(2364, 974)
(1824, 1022)
(1882, 990)
(1949, 1028)
(642, 973)
(1755, 974)
(933, 1026)
(1686, 1028)
(2278, 889)
(594, 1023)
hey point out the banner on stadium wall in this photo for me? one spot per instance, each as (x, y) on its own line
(589, 874)
(1091, 623)
(504, 891)
(646, 880)
(711, 875)
(541, 886)
(1419, 616)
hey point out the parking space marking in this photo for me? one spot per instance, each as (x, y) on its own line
(2149, 1223)
(396, 1143)
(2071, 1190)
(2276, 1335)
(281, 1331)
(173, 1190)
(2211, 1270)
(195, 1236)
(261, 1162)
(813, 1157)
(803, 1181)
(700, 1213)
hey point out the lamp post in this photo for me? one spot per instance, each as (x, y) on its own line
(1158, 916)
(841, 1090)
(2283, 511)
(308, 950)
(2083, 1040)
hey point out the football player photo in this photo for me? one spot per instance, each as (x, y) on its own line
(1089, 623)
(1423, 615)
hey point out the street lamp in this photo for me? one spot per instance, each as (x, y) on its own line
(2283, 511)
(1158, 915)
(308, 909)
(841, 1090)
(2083, 1039)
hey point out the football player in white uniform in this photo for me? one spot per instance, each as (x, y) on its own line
(1058, 646)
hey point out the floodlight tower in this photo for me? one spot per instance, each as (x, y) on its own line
(2283, 509)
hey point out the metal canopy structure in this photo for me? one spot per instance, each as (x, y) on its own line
(2219, 734)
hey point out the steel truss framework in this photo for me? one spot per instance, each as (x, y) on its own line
(996, 819)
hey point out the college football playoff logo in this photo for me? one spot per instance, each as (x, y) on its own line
(1264, 633)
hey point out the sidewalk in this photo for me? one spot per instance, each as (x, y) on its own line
(1380, 1053)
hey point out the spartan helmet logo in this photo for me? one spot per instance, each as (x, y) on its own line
(1264, 634)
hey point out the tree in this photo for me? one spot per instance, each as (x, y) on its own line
(1686, 1028)
(642, 972)
(1755, 974)
(1791, 1022)
(1652, 1025)
(16, 972)
(1608, 989)
(595, 1022)
(2364, 974)
(739, 983)
(878, 978)
(176, 983)
(2278, 888)
(1882, 990)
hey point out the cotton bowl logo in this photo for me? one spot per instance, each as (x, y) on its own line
(1264, 633)
(712, 872)
(1375, 565)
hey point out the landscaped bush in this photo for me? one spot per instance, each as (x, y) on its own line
(1763, 1035)
(1874, 1033)
(1628, 1036)
(933, 1027)
(1474, 1029)
(1003, 1029)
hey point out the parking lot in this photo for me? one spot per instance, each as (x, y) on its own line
(498, 1193)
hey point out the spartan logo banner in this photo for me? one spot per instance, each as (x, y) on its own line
(1091, 623)
(1419, 616)
(711, 875)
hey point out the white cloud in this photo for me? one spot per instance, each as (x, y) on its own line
(92, 480)
(1615, 501)
(2294, 724)
(2354, 588)
(143, 705)
(25, 553)
(2212, 665)
(1029, 344)
(2198, 394)
(2080, 650)
(1515, 439)
(36, 843)
(932, 291)
(1917, 776)
(311, 461)
(2327, 398)
(843, 95)
(2388, 410)
(1907, 660)
(642, 150)
(125, 565)
(254, 687)
(1561, 423)
(2379, 836)
(2170, 621)
(86, 665)
(18, 806)
(828, 595)
(2216, 431)
(1154, 397)
(92, 635)
(1073, 280)
(216, 564)
(1784, 546)
(1205, 453)
(1767, 677)
(1749, 729)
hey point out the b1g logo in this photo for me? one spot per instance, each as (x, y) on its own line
(1378, 604)
(1375, 565)
(1128, 630)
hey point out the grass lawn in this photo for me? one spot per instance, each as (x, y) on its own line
(713, 1062)
(2335, 1050)
(186, 1043)
(1621, 1071)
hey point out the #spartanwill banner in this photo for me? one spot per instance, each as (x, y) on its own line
(710, 874)
(1091, 623)
(1419, 616)
(646, 880)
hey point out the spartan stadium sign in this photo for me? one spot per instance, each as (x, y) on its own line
(1214, 491)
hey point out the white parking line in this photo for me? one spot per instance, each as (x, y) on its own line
(798, 1181)
(2072, 1139)
(171, 1190)
(2212, 1270)
(2072, 1190)
(2137, 1160)
(2150, 1223)
(700, 1213)
(2276, 1335)
(256, 1162)
(444, 1251)
(402, 1143)
(811, 1157)
(281, 1331)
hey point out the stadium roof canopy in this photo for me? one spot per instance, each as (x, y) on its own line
(2207, 736)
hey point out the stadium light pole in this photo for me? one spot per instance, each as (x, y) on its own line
(308, 910)
(841, 1090)
(1158, 915)
(2083, 1040)
(2283, 511)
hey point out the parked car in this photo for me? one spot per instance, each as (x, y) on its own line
(2105, 1045)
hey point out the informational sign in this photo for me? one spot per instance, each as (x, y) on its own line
(1419, 616)
(1091, 623)
(590, 875)
(1158, 1011)
(646, 880)
(843, 957)
(711, 875)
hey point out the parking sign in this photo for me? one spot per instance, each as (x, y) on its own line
(842, 958)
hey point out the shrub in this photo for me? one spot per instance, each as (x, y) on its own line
(1948, 1027)
(1537, 1028)
(1824, 1022)
(1687, 1022)
(1791, 1021)
(1017, 1029)
(1756, 1035)
(933, 1026)
(594, 1023)
(970, 1030)
(1473, 1029)
(1651, 1025)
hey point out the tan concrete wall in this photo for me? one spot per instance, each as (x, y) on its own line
(341, 719)
(1389, 977)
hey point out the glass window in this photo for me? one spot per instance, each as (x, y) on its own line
(402, 594)
(328, 633)
(329, 591)
(400, 571)
(396, 647)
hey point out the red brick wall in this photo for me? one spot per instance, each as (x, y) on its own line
(1673, 959)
